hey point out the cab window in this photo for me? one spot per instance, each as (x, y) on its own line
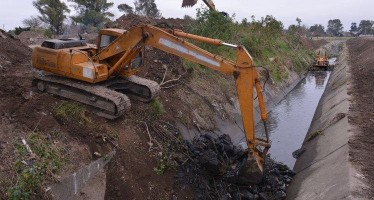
(105, 40)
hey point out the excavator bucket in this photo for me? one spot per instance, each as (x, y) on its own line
(188, 3)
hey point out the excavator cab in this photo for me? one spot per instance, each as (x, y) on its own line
(107, 37)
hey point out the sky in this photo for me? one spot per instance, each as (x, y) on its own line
(311, 12)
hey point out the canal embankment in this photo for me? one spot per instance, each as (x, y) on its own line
(324, 170)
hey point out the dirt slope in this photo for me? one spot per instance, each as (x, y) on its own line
(23, 111)
(361, 116)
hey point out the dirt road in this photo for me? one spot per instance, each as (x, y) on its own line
(361, 51)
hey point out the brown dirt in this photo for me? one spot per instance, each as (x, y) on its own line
(23, 111)
(128, 21)
(313, 44)
(131, 174)
(31, 37)
(361, 51)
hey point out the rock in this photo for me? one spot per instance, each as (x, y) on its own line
(216, 163)
(246, 195)
(287, 179)
(296, 154)
(97, 154)
(283, 187)
(280, 195)
(2, 35)
(263, 196)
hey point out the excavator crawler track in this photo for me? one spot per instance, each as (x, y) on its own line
(108, 103)
(143, 89)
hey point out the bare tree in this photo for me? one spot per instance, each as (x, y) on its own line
(32, 22)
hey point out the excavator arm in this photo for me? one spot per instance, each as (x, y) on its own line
(246, 77)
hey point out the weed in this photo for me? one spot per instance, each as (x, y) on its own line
(314, 135)
(157, 107)
(162, 166)
(33, 170)
(70, 111)
(164, 163)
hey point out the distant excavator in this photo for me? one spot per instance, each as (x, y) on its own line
(321, 60)
(102, 75)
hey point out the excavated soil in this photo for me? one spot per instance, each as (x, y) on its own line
(31, 37)
(23, 110)
(128, 21)
(361, 51)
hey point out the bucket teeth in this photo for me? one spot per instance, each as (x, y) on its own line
(188, 3)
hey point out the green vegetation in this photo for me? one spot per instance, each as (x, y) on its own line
(335, 27)
(53, 13)
(32, 169)
(142, 7)
(163, 164)
(93, 14)
(157, 107)
(264, 39)
(70, 111)
(314, 135)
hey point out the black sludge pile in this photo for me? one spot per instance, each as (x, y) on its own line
(212, 163)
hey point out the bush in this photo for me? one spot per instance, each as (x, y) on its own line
(264, 39)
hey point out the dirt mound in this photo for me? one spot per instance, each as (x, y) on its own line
(24, 111)
(131, 20)
(12, 51)
(313, 44)
(361, 52)
(31, 37)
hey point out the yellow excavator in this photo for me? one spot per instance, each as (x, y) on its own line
(102, 75)
(321, 60)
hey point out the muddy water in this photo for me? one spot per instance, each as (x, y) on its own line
(289, 121)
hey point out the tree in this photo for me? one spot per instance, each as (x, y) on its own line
(92, 12)
(365, 27)
(272, 25)
(52, 12)
(317, 30)
(354, 29)
(19, 30)
(32, 22)
(125, 8)
(335, 27)
(147, 8)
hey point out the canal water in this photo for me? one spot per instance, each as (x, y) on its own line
(289, 121)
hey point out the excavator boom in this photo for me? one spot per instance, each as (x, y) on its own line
(117, 57)
(243, 69)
